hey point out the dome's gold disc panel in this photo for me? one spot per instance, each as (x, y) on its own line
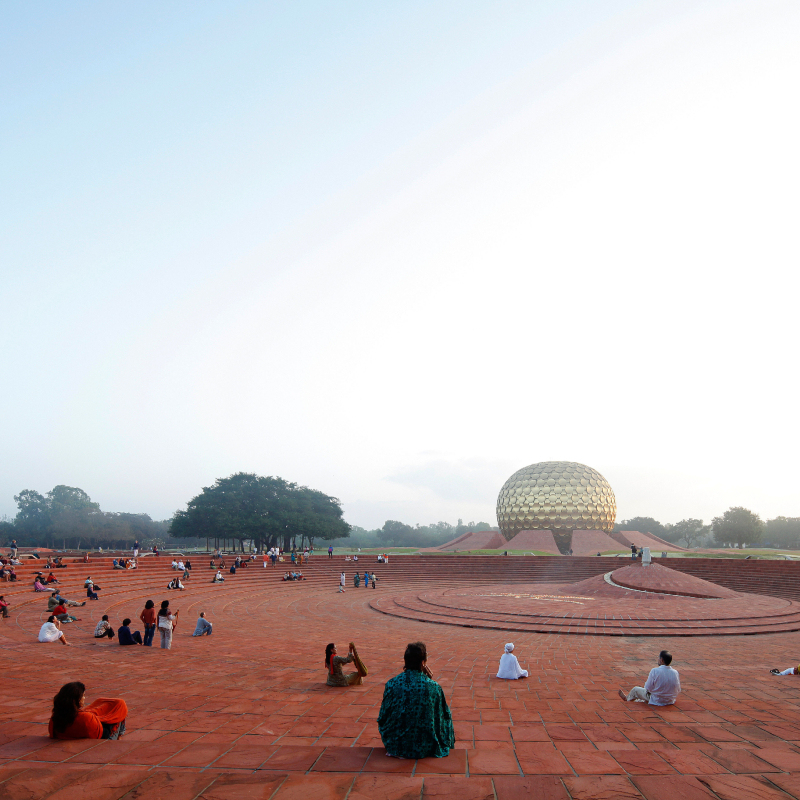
(561, 496)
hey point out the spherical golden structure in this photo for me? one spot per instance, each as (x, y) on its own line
(561, 496)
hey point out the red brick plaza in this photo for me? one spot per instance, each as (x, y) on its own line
(245, 713)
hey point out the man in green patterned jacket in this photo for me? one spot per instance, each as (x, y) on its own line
(414, 720)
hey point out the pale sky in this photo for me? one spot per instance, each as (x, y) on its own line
(397, 251)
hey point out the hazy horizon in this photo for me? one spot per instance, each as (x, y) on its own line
(396, 253)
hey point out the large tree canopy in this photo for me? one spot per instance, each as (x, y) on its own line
(67, 517)
(691, 531)
(264, 510)
(738, 526)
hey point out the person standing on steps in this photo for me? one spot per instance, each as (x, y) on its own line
(148, 618)
(341, 582)
(330, 551)
(167, 622)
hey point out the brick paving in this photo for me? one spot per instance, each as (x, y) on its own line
(245, 713)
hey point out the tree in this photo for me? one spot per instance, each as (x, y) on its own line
(67, 517)
(397, 533)
(72, 513)
(33, 515)
(642, 525)
(691, 531)
(783, 532)
(738, 526)
(263, 510)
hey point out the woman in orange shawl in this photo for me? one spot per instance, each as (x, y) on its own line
(72, 719)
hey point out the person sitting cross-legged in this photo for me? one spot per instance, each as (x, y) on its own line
(126, 636)
(203, 627)
(218, 577)
(662, 687)
(414, 720)
(510, 669)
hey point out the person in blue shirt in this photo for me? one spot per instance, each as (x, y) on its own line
(125, 635)
(203, 627)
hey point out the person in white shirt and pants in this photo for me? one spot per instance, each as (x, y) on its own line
(662, 687)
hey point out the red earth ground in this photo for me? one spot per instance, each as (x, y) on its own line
(245, 713)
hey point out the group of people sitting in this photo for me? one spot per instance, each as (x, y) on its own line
(175, 583)
(7, 573)
(124, 563)
(125, 635)
(40, 583)
(293, 576)
(165, 620)
(56, 563)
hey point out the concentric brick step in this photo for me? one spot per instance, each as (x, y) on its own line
(555, 608)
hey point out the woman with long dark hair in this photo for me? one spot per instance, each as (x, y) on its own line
(148, 618)
(167, 621)
(73, 719)
(413, 701)
(333, 664)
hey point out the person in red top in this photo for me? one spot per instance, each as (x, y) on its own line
(51, 578)
(73, 719)
(60, 613)
(148, 618)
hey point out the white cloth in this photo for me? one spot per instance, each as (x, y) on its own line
(341, 579)
(664, 685)
(510, 669)
(49, 633)
(789, 671)
(638, 694)
(166, 621)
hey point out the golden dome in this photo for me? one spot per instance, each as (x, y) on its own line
(561, 496)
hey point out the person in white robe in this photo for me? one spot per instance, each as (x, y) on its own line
(510, 669)
(790, 671)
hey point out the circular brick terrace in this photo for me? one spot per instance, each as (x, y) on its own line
(245, 713)
(630, 601)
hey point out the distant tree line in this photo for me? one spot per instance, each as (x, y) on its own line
(737, 527)
(67, 518)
